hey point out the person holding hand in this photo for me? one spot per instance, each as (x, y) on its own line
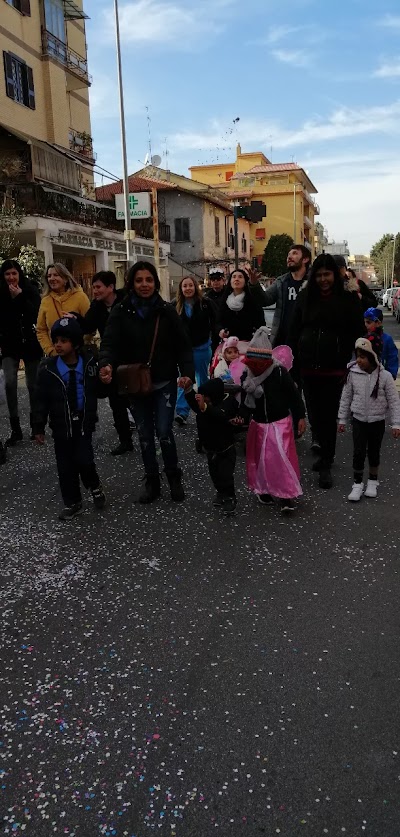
(369, 393)
(19, 306)
(144, 326)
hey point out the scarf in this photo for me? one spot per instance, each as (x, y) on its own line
(144, 306)
(235, 303)
(188, 306)
(252, 385)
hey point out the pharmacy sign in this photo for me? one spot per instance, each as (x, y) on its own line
(139, 204)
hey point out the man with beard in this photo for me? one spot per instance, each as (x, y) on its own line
(283, 293)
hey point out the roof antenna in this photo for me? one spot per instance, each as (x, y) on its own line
(149, 131)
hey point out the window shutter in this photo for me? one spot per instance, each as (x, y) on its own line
(26, 7)
(8, 71)
(186, 229)
(31, 88)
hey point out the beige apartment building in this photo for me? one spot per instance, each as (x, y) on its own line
(46, 149)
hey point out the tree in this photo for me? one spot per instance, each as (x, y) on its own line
(32, 263)
(382, 256)
(10, 219)
(275, 255)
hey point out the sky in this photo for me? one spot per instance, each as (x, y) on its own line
(311, 81)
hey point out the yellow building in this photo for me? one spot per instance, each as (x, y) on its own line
(46, 150)
(284, 188)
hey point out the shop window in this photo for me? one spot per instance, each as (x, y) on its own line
(216, 222)
(23, 6)
(19, 80)
(182, 229)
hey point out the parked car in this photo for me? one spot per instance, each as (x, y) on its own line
(385, 296)
(390, 293)
(395, 303)
(379, 295)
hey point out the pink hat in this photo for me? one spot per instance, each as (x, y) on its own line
(230, 343)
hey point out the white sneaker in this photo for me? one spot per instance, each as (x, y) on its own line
(356, 492)
(372, 488)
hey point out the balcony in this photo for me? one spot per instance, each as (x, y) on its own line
(144, 229)
(34, 199)
(75, 65)
(311, 201)
(82, 144)
(307, 222)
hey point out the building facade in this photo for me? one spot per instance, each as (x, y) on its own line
(46, 150)
(284, 188)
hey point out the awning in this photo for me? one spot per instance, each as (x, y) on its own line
(73, 12)
(57, 149)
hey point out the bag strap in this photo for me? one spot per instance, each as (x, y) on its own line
(59, 316)
(153, 345)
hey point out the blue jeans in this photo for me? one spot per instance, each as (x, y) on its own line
(202, 359)
(154, 414)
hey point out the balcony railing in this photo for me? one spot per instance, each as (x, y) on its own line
(50, 203)
(82, 144)
(63, 53)
(311, 201)
(307, 222)
(144, 229)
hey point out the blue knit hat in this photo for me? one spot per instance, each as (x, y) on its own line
(373, 314)
(69, 328)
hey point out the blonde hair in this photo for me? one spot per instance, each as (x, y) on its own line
(64, 273)
(180, 299)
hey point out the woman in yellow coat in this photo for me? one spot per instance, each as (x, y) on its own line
(63, 295)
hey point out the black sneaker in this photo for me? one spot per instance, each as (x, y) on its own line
(229, 505)
(99, 498)
(325, 478)
(181, 421)
(315, 446)
(123, 447)
(151, 490)
(287, 506)
(317, 465)
(69, 512)
(218, 501)
(265, 499)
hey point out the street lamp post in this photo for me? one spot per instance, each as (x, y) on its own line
(394, 254)
(128, 224)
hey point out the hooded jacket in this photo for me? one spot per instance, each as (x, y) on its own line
(324, 331)
(214, 430)
(128, 338)
(358, 398)
(18, 322)
(52, 308)
(52, 397)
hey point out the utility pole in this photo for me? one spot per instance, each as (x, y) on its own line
(128, 223)
(294, 214)
(236, 233)
(394, 254)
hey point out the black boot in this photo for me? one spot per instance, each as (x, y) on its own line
(16, 433)
(175, 483)
(125, 446)
(151, 491)
(3, 454)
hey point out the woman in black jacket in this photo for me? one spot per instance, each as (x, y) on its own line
(128, 339)
(326, 323)
(241, 312)
(19, 306)
(198, 315)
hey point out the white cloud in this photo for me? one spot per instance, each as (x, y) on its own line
(343, 122)
(278, 33)
(168, 21)
(390, 21)
(296, 57)
(389, 69)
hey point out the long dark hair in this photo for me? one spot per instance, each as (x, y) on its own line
(325, 260)
(142, 266)
(180, 299)
(229, 290)
(10, 264)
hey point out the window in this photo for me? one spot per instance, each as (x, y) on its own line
(23, 6)
(231, 239)
(228, 175)
(19, 80)
(182, 229)
(260, 234)
(216, 221)
(244, 243)
(54, 18)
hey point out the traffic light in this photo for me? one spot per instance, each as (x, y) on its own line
(254, 212)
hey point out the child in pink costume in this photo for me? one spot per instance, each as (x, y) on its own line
(272, 396)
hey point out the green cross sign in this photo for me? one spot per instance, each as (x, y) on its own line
(133, 202)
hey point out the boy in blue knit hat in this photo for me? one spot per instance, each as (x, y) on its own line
(67, 390)
(383, 344)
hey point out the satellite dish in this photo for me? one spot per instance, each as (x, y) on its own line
(156, 160)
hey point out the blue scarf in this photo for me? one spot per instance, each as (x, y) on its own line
(144, 306)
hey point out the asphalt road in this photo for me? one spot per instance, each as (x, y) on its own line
(166, 670)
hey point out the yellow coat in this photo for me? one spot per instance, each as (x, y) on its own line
(52, 308)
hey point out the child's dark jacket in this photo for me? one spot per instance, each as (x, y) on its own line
(215, 432)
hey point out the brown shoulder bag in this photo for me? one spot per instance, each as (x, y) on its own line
(135, 378)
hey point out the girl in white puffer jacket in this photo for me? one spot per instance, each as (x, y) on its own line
(368, 394)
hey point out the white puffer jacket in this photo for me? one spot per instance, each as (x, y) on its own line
(358, 400)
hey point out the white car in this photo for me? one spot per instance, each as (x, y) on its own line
(389, 303)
